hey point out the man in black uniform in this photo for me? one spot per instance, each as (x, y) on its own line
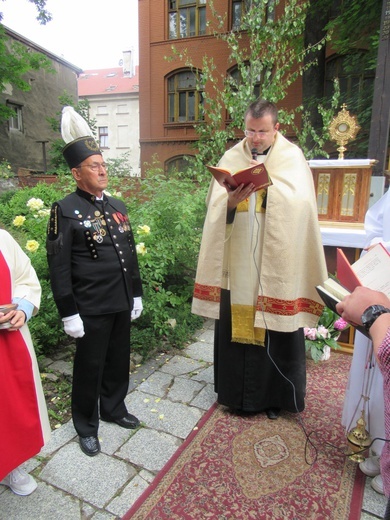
(97, 289)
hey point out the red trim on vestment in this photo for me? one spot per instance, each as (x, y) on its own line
(208, 293)
(288, 307)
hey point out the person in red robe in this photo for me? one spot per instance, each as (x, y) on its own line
(24, 426)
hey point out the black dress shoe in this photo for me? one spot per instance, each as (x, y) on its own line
(273, 413)
(128, 421)
(90, 445)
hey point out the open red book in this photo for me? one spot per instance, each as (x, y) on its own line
(256, 174)
(371, 270)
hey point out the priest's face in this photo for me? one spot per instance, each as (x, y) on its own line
(260, 132)
(91, 175)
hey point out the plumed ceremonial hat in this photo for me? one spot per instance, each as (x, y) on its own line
(78, 136)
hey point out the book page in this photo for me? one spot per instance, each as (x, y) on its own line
(373, 269)
(335, 288)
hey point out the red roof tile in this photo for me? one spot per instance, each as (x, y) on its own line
(107, 81)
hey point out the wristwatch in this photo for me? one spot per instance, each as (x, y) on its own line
(371, 314)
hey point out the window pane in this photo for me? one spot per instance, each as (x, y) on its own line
(191, 106)
(186, 2)
(183, 23)
(236, 16)
(15, 121)
(171, 108)
(202, 20)
(186, 80)
(191, 16)
(182, 106)
(172, 25)
(171, 84)
(103, 136)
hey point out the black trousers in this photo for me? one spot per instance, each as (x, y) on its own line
(101, 371)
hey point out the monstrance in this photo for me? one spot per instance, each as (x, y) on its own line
(343, 129)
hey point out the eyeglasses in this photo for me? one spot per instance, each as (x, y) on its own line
(95, 167)
(250, 133)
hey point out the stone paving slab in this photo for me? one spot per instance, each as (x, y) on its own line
(144, 371)
(93, 479)
(184, 390)
(162, 415)
(46, 503)
(157, 384)
(149, 449)
(112, 437)
(122, 503)
(201, 352)
(206, 375)
(205, 399)
(58, 439)
(206, 335)
(180, 365)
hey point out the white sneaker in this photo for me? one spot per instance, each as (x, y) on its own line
(377, 484)
(20, 482)
(370, 466)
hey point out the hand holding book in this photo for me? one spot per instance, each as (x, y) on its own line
(256, 174)
(372, 270)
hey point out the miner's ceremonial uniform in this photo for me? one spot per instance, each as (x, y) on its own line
(94, 272)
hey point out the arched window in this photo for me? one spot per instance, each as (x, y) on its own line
(184, 99)
(236, 75)
(356, 84)
(178, 164)
(186, 18)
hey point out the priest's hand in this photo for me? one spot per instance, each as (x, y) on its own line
(239, 194)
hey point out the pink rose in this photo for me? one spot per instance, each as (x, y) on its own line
(340, 324)
(310, 333)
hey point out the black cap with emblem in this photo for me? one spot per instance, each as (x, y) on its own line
(78, 150)
(79, 137)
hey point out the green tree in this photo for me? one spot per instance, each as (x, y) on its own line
(16, 59)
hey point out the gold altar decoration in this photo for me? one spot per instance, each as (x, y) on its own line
(358, 440)
(343, 128)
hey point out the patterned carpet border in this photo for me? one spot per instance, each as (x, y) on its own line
(250, 468)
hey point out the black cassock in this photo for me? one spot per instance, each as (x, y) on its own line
(252, 378)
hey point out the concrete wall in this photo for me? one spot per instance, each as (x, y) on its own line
(21, 148)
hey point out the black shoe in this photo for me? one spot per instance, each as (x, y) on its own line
(273, 413)
(90, 445)
(128, 421)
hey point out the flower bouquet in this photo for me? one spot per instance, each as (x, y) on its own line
(319, 340)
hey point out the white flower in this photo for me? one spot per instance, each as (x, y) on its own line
(44, 212)
(35, 204)
(143, 230)
(323, 331)
(19, 220)
(141, 249)
(32, 246)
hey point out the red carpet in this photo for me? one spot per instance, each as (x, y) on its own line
(250, 468)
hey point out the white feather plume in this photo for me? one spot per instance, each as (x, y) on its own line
(73, 125)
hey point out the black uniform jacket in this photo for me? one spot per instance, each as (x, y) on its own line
(92, 256)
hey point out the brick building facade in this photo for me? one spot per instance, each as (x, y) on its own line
(166, 131)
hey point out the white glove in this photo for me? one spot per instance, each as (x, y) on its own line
(137, 308)
(73, 326)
